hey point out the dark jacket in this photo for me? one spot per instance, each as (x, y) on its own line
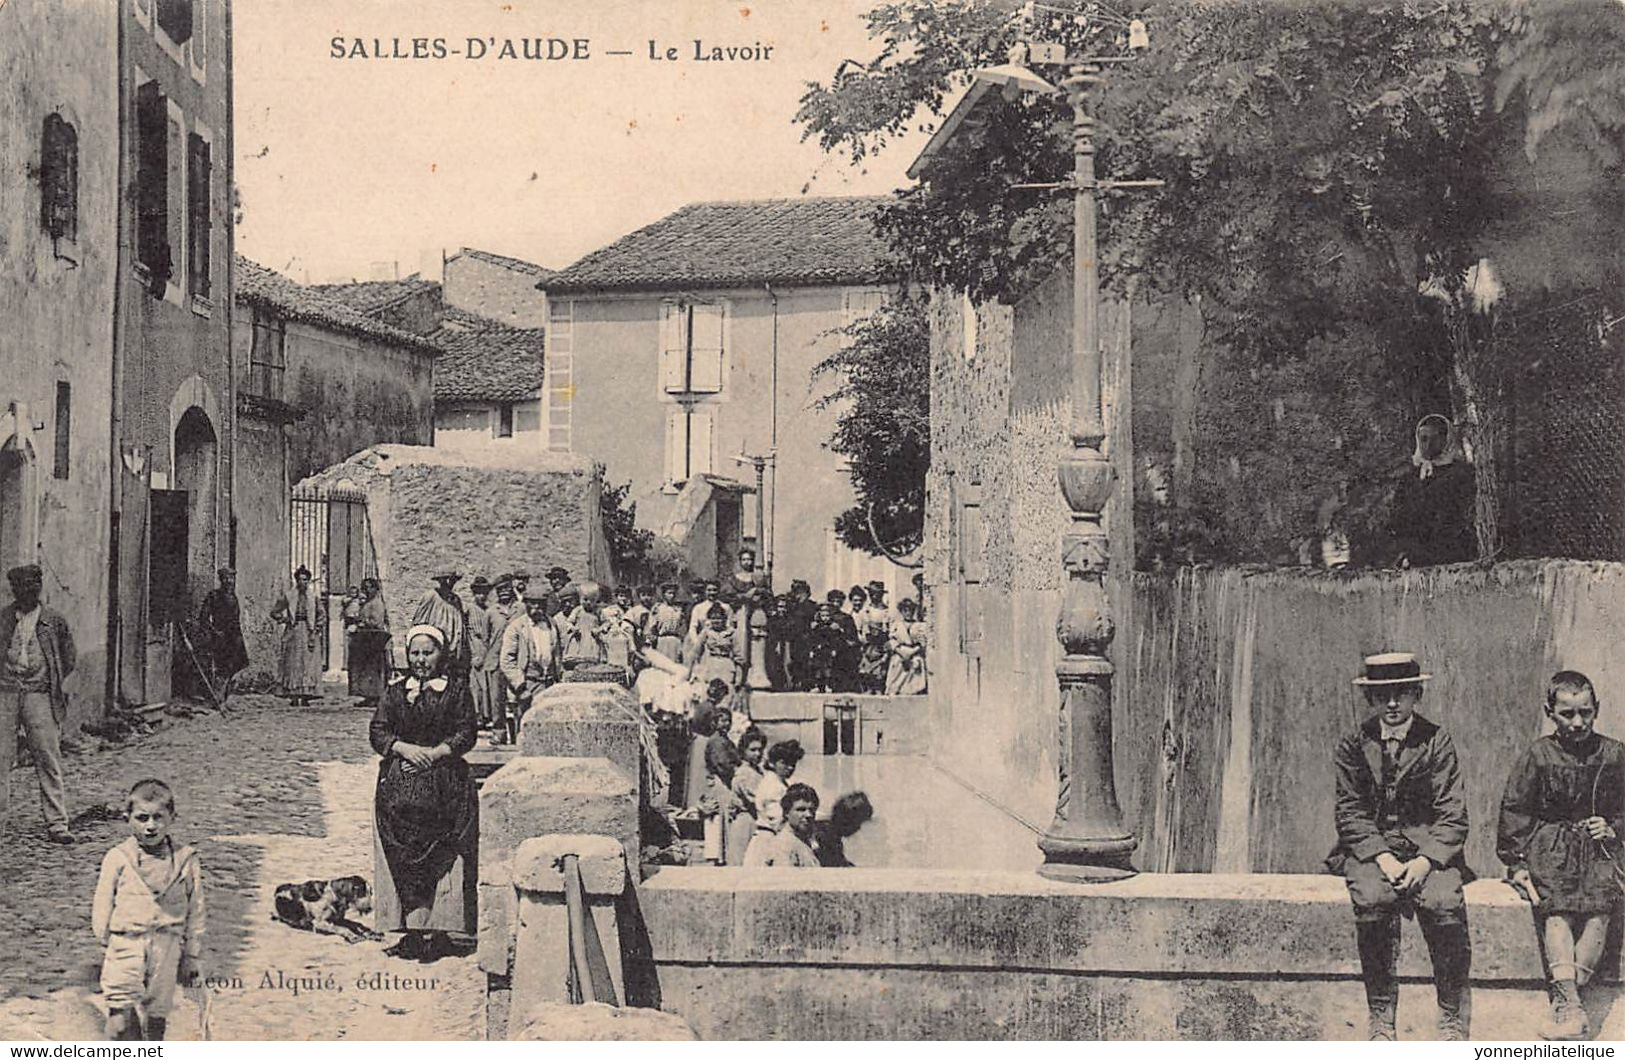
(1428, 807)
(55, 641)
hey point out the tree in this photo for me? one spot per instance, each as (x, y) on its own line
(883, 390)
(628, 545)
(1327, 165)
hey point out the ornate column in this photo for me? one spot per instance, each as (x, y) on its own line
(1087, 841)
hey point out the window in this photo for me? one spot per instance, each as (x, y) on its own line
(859, 303)
(972, 563)
(152, 182)
(688, 443)
(267, 359)
(527, 417)
(59, 178)
(175, 19)
(64, 428)
(691, 348)
(198, 222)
(505, 420)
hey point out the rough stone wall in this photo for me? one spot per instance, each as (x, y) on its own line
(490, 290)
(356, 392)
(429, 508)
(56, 316)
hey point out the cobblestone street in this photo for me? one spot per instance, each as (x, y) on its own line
(270, 794)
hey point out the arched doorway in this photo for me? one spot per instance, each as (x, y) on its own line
(197, 463)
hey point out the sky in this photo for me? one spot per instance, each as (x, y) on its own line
(348, 166)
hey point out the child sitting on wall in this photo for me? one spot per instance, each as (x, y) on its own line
(1561, 820)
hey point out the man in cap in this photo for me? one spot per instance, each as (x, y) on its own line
(558, 582)
(529, 657)
(39, 656)
(442, 608)
(1401, 825)
(220, 629)
(485, 652)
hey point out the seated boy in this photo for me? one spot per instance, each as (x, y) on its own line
(1401, 824)
(791, 847)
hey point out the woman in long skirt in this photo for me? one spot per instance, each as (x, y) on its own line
(369, 645)
(426, 812)
(303, 618)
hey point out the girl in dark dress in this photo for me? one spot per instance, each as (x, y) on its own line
(426, 811)
(1561, 821)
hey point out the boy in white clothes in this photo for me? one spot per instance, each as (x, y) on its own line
(148, 912)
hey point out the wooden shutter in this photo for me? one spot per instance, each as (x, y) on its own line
(199, 223)
(677, 445)
(699, 442)
(707, 349)
(673, 346)
(152, 179)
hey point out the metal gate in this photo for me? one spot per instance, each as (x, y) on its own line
(329, 534)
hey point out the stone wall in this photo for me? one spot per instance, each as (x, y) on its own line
(1232, 687)
(870, 954)
(481, 513)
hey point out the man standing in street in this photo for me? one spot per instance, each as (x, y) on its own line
(1401, 825)
(221, 623)
(39, 656)
(485, 627)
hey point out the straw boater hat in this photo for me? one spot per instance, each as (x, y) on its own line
(1392, 668)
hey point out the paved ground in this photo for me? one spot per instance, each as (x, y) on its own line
(271, 794)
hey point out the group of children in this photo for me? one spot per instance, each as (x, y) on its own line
(1402, 824)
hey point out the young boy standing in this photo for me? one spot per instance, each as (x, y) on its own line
(148, 912)
(1401, 825)
(1561, 821)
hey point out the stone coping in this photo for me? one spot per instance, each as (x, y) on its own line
(1263, 926)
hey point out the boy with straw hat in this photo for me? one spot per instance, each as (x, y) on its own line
(1401, 825)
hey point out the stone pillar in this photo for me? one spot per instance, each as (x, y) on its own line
(541, 961)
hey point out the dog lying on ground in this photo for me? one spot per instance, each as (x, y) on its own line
(324, 906)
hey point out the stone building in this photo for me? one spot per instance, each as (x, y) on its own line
(691, 342)
(317, 382)
(497, 287)
(59, 261)
(488, 388)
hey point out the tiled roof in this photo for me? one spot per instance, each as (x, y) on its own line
(257, 285)
(485, 360)
(374, 296)
(795, 242)
(516, 264)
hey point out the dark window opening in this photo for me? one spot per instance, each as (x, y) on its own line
(59, 178)
(152, 183)
(267, 358)
(505, 420)
(198, 221)
(64, 427)
(175, 19)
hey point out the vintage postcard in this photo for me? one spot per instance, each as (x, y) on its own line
(812, 519)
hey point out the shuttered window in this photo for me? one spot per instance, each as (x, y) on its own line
(198, 222)
(59, 178)
(691, 347)
(689, 433)
(152, 180)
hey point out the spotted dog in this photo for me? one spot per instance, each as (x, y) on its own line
(324, 906)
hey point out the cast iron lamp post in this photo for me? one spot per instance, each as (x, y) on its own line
(1087, 841)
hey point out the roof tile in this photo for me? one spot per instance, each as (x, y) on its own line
(256, 285)
(795, 242)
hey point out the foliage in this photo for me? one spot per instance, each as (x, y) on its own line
(882, 376)
(1333, 173)
(628, 545)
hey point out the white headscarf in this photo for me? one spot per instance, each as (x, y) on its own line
(415, 687)
(1447, 456)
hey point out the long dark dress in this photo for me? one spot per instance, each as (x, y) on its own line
(427, 821)
(1549, 792)
(369, 650)
(1432, 518)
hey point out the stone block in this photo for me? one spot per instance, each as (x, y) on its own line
(602, 859)
(591, 720)
(600, 1023)
(536, 796)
